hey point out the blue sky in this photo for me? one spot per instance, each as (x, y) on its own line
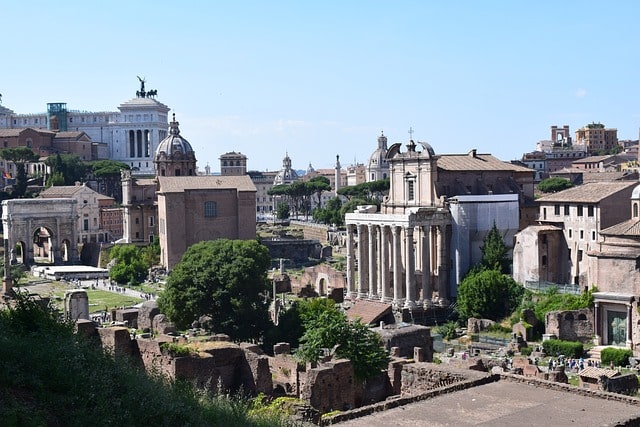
(323, 78)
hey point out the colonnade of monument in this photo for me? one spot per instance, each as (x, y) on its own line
(388, 257)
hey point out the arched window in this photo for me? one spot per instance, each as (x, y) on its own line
(635, 210)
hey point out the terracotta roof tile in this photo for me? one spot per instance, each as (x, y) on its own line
(484, 162)
(592, 192)
(178, 184)
(368, 311)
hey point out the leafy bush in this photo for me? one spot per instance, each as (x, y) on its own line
(488, 294)
(572, 349)
(447, 330)
(551, 185)
(526, 351)
(499, 329)
(617, 356)
(177, 350)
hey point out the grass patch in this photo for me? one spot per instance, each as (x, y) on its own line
(99, 299)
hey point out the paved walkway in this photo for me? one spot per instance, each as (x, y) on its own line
(504, 403)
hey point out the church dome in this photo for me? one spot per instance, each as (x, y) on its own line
(286, 175)
(174, 144)
(635, 194)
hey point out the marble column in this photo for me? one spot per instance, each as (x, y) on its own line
(351, 286)
(384, 263)
(596, 323)
(427, 289)
(629, 326)
(373, 266)
(397, 266)
(443, 265)
(410, 271)
(363, 261)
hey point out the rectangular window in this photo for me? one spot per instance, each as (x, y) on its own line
(590, 210)
(410, 190)
(151, 221)
(86, 225)
(593, 235)
(210, 209)
(566, 210)
(556, 210)
(544, 213)
(570, 233)
(581, 234)
(580, 210)
(579, 255)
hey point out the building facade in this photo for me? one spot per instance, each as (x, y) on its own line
(131, 134)
(595, 137)
(614, 268)
(568, 227)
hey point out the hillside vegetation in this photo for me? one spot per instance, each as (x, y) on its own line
(50, 376)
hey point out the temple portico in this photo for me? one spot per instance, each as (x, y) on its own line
(393, 251)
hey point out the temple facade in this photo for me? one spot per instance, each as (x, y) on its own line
(409, 254)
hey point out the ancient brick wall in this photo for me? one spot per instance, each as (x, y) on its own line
(116, 340)
(329, 387)
(284, 369)
(570, 325)
(420, 377)
(323, 279)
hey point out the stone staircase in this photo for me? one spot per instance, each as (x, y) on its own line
(594, 353)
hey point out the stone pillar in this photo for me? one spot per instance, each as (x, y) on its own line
(373, 267)
(362, 261)
(384, 263)
(397, 266)
(351, 286)
(410, 270)
(443, 279)
(629, 326)
(596, 324)
(427, 289)
(7, 283)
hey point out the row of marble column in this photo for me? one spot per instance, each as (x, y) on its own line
(384, 252)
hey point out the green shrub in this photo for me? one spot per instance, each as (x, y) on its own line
(526, 351)
(570, 349)
(617, 356)
(447, 330)
(499, 329)
(177, 350)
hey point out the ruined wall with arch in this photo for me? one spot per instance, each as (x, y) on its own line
(45, 228)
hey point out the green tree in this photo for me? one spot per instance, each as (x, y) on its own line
(69, 166)
(129, 268)
(488, 294)
(283, 211)
(107, 172)
(319, 185)
(327, 328)
(494, 251)
(225, 280)
(330, 213)
(19, 156)
(553, 185)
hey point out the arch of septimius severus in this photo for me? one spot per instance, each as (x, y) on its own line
(401, 253)
(25, 221)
